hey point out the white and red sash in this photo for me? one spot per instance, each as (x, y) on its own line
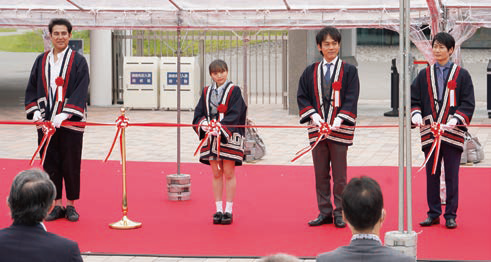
(64, 74)
(336, 88)
(449, 97)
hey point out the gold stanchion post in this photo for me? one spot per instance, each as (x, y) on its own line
(125, 222)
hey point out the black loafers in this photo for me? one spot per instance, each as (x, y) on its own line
(71, 214)
(430, 221)
(321, 220)
(339, 222)
(217, 218)
(227, 218)
(450, 223)
(58, 212)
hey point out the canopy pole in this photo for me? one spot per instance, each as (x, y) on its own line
(178, 94)
(407, 87)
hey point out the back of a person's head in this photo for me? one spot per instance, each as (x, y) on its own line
(362, 203)
(280, 257)
(31, 197)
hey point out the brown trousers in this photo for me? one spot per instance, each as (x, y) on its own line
(325, 155)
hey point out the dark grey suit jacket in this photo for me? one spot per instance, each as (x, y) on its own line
(366, 250)
(19, 243)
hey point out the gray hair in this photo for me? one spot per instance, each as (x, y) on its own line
(31, 197)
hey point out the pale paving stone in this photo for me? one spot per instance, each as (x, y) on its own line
(167, 259)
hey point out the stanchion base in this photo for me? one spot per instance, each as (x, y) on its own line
(393, 113)
(179, 187)
(125, 223)
(405, 242)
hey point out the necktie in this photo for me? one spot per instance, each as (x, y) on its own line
(440, 82)
(327, 75)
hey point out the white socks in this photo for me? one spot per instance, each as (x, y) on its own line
(228, 206)
(219, 205)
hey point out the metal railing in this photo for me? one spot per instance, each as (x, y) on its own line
(262, 53)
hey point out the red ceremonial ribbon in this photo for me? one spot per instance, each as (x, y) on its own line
(121, 122)
(324, 131)
(48, 131)
(222, 108)
(59, 81)
(437, 132)
(336, 86)
(213, 126)
(452, 85)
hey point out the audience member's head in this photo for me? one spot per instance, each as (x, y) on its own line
(31, 197)
(363, 205)
(280, 257)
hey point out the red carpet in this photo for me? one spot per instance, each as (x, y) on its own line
(272, 207)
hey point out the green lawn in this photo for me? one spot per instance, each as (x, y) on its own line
(33, 41)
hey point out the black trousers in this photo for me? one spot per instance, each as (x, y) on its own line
(62, 162)
(451, 157)
(325, 155)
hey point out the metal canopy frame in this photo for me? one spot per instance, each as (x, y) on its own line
(236, 14)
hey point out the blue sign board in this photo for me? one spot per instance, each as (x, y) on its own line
(141, 78)
(172, 78)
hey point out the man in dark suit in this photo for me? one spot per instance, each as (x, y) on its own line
(363, 211)
(328, 93)
(31, 197)
(442, 95)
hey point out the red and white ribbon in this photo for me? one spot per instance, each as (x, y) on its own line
(452, 85)
(121, 122)
(48, 131)
(437, 132)
(324, 131)
(213, 127)
(336, 87)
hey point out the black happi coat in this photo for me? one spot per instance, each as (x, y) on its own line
(424, 101)
(75, 88)
(231, 138)
(309, 98)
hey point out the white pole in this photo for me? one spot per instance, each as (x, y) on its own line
(100, 68)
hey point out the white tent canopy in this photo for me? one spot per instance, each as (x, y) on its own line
(238, 14)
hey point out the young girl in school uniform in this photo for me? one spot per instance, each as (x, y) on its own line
(221, 103)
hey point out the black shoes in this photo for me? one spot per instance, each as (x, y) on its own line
(430, 221)
(58, 212)
(71, 214)
(227, 218)
(339, 222)
(221, 218)
(321, 220)
(451, 224)
(217, 218)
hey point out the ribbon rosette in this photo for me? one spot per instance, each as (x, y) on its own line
(437, 132)
(48, 131)
(324, 131)
(222, 108)
(59, 81)
(213, 126)
(336, 86)
(452, 85)
(121, 122)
